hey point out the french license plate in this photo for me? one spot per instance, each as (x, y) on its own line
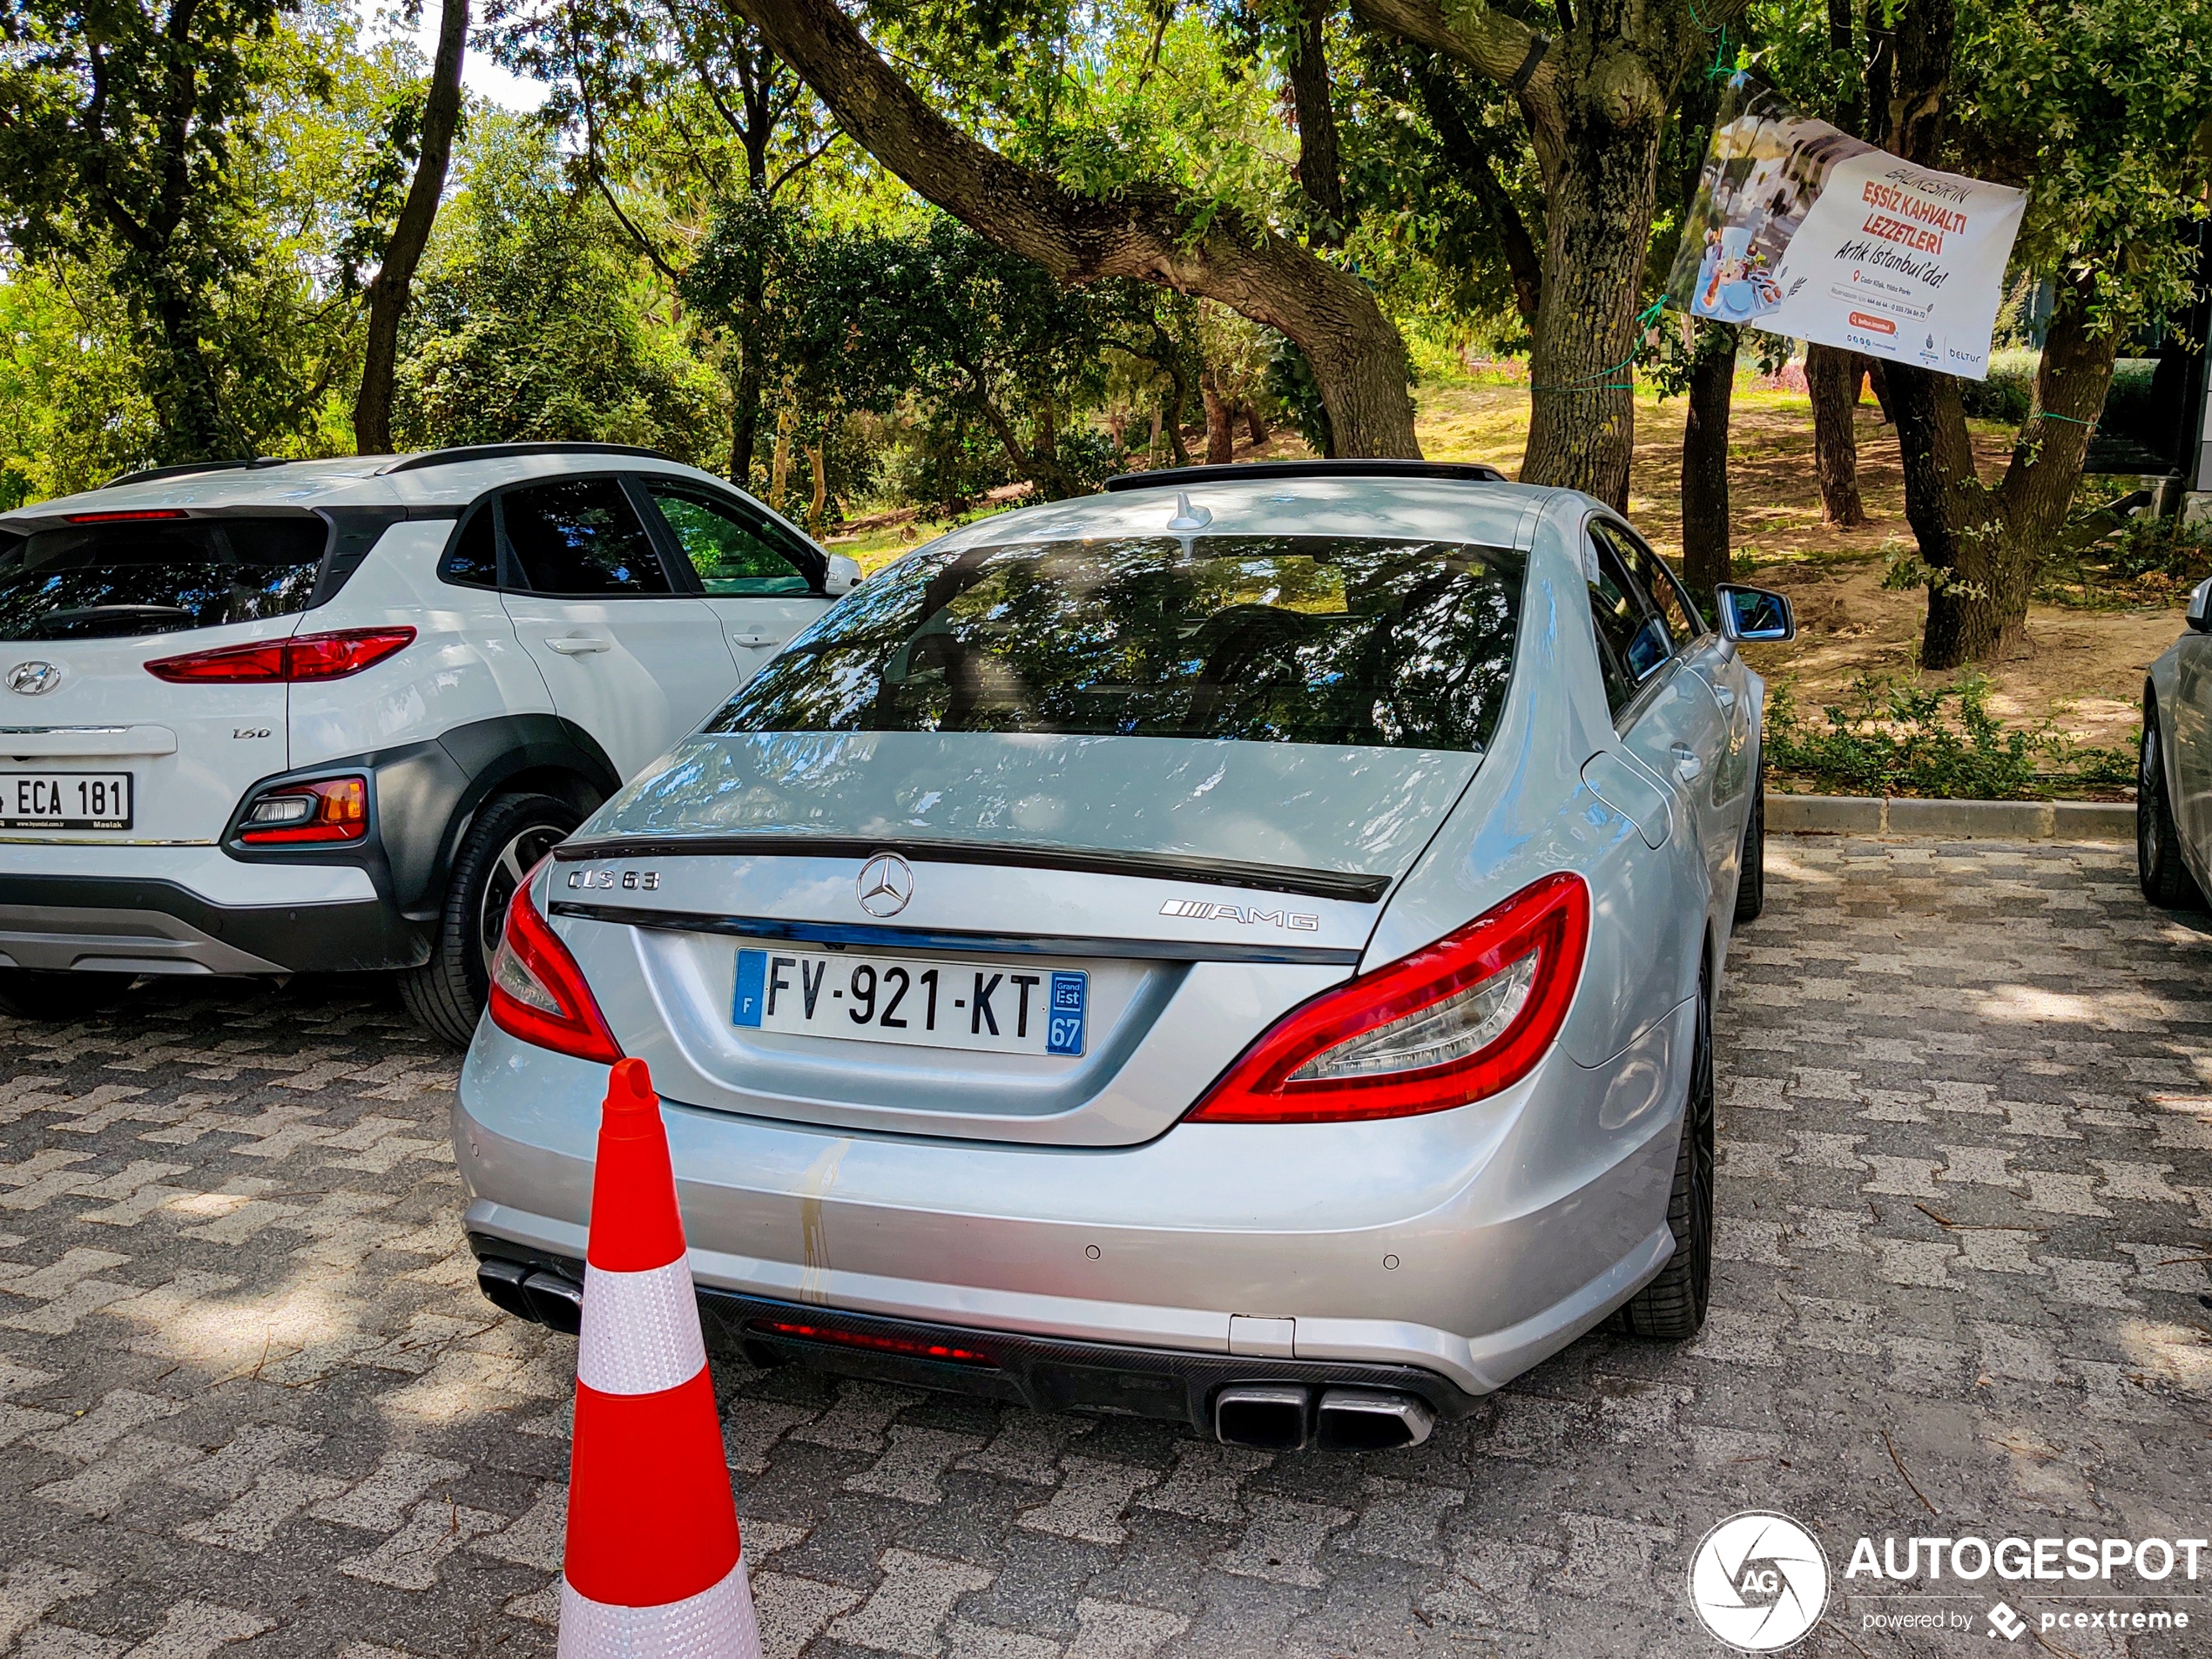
(930, 1003)
(96, 801)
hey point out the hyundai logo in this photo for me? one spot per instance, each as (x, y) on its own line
(33, 679)
(886, 882)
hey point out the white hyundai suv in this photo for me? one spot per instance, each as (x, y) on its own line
(267, 718)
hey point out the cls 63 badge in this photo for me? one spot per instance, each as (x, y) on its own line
(647, 880)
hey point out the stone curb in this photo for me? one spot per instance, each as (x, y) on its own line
(1963, 820)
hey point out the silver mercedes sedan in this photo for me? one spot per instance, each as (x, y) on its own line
(1239, 948)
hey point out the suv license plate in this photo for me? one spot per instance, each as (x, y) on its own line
(70, 800)
(925, 1003)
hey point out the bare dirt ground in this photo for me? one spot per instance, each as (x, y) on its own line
(2086, 667)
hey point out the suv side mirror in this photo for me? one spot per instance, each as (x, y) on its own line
(843, 574)
(1756, 616)
(2200, 611)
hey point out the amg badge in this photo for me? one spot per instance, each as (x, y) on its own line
(1251, 916)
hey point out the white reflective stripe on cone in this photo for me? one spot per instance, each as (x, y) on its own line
(717, 1623)
(641, 1331)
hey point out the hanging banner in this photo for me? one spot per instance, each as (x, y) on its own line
(1800, 229)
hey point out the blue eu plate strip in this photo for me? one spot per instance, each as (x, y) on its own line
(753, 976)
(1065, 1011)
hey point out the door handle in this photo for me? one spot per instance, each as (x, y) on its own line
(756, 639)
(1688, 766)
(1723, 696)
(579, 644)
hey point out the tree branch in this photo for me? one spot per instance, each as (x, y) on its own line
(1143, 232)
(1524, 260)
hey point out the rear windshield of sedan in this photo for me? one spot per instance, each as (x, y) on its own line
(159, 576)
(1282, 639)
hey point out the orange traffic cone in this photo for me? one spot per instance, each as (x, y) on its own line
(651, 1570)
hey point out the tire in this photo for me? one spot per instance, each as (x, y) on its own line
(2167, 881)
(1751, 879)
(511, 833)
(1672, 1307)
(27, 994)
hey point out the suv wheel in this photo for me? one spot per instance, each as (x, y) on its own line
(2167, 881)
(1672, 1307)
(511, 833)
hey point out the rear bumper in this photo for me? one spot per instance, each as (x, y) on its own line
(297, 920)
(1041, 1372)
(1467, 1245)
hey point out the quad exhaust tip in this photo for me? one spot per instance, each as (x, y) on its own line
(533, 1293)
(1286, 1417)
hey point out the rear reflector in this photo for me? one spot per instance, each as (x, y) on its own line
(538, 993)
(329, 809)
(1453, 1022)
(303, 658)
(912, 1347)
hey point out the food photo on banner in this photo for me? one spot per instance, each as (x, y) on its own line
(1800, 229)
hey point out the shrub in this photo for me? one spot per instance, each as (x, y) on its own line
(1891, 738)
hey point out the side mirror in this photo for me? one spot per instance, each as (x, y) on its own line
(2200, 611)
(1754, 616)
(843, 574)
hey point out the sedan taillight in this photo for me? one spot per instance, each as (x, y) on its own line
(303, 657)
(538, 993)
(1453, 1022)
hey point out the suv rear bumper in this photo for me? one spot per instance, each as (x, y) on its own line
(157, 925)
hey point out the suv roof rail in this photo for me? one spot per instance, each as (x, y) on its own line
(455, 456)
(1474, 472)
(149, 474)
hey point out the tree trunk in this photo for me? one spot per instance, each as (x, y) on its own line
(1986, 546)
(1832, 378)
(1319, 173)
(1255, 424)
(1878, 379)
(780, 462)
(1359, 358)
(1221, 432)
(744, 417)
(1597, 220)
(1705, 546)
(190, 416)
(393, 285)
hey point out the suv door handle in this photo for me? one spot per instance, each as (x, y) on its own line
(1688, 766)
(756, 639)
(580, 645)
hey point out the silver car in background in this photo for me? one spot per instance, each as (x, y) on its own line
(1239, 948)
(2173, 779)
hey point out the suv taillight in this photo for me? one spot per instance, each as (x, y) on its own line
(329, 809)
(303, 657)
(538, 993)
(1453, 1022)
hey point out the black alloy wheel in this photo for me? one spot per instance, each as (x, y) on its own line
(511, 833)
(2165, 880)
(1672, 1307)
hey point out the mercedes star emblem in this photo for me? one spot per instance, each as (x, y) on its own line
(886, 882)
(33, 679)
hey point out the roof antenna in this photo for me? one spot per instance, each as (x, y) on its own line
(1188, 517)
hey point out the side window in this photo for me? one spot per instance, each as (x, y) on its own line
(1632, 643)
(579, 537)
(473, 560)
(1650, 571)
(732, 559)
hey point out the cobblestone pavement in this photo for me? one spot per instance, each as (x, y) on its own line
(249, 1395)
